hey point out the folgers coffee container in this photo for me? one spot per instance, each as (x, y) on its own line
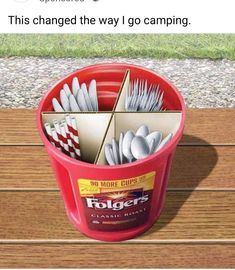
(114, 203)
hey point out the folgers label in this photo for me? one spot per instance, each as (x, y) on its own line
(116, 205)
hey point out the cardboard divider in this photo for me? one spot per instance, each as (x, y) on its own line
(91, 129)
(100, 123)
(162, 121)
(120, 102)
(122, 122)
(96, 129)
(100, 157)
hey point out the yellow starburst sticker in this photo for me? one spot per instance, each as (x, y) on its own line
(118, 187)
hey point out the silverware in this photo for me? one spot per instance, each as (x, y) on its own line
(109, 154)
(56, 105)
(93, 95)
(142, 131)
(64, 101)
(152, 146)
(126, 145)
(75, 86)
(81, 101)
(122, 159)
(157, 137)
(142, 98)
(67, 90)
(73, 104)
(78, 99)
(164, 142)
(139, 147)
(115, 151)
(86, 97)
(131, 147)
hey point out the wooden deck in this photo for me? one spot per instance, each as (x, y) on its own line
(196, 228)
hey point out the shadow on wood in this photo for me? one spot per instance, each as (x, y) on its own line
(195, 176)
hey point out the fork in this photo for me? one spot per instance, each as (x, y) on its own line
(142, 98)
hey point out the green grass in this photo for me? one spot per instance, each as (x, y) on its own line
(213, 46)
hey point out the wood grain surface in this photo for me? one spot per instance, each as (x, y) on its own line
(19, 127)
(214, 126)
(195, 230)
(207, 126)
(118, 256)
(29, 167)
(192, 216)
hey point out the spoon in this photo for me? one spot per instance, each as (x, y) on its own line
(120, 148)
(140, 148)
(109, 154)
(164, 141)
(142, 131)
(126, 145)
(115, 151)
(157, 136)
(152, 146)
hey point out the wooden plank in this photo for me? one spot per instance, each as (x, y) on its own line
(117, 256)
(193, 167)
(190, 216)
(25, 167)
(19, 127)
(209, 126)
(203, 126)
(203, 168)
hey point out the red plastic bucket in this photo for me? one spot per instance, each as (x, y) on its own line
(100, 217)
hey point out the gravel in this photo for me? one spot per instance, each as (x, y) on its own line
(203, 83)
